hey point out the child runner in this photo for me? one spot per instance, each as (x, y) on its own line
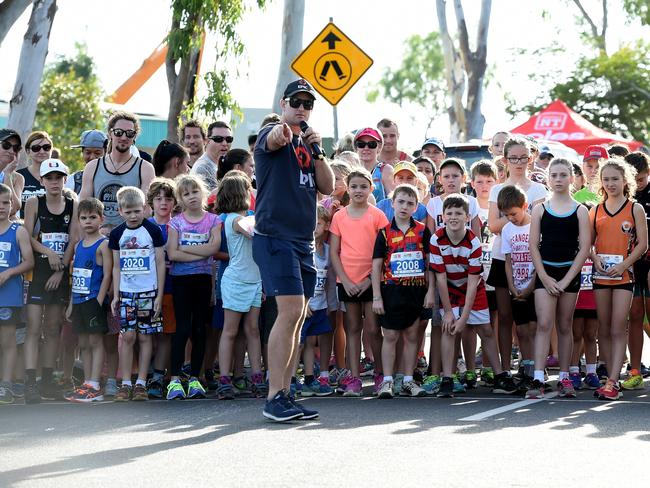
(16, 258)
(517, 154)
(138, 286)
(620, 238)
(426, 167)
(339, 197)
(405, 172)
(400, 290)
(161, 200)
(51, 220)
(559, 245)
(91, 281)
(241, 285)
(352, 237)
(317, 325)
(194, 237)
(515, 238)
(455, 264)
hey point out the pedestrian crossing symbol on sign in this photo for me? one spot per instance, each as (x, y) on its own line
(332, 63)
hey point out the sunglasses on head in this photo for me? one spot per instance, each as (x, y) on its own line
(297, 102)
(121, 132)
(38, 147)
(6, 145)
(220, 139)
(370, 144)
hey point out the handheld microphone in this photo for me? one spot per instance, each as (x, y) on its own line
(316, 150)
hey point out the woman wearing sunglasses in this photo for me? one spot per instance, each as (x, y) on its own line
(368, 143)
(38, 147)
(10, 146)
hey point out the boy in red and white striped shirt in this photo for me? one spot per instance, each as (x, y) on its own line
(455, 263)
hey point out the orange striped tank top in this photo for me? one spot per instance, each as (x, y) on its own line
(615, 238)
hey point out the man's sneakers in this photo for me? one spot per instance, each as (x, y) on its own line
(536, 390)
(634, 381)
(175, 390)
(504, 384)
(50, 390)
(565, 388)
(280, 408)
(610, 391)
(385, 390)
(446, 389)
(6, 395)
(85, 394)
(155, 388)
(307, 414)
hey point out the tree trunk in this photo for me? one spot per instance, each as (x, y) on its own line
(10, 11)
(294, 18)
(22, 106)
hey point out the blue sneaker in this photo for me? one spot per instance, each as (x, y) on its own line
(576, 379)
(307, 414)
(319, 387)
(296, 387)
(175, 390)
(18, 389)
(592, 381)
(280, 409)
(225, 390)
(195, 388)
(155, 389)
(431, 384)
(458, 386)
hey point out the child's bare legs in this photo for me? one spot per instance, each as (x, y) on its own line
(227, 341)
(337, 319)
(239, 353)
(163, 352)
(635, 333)
(308, 354)
(366, 340)
(95, 345)
(526, 334)
(621, 300)
(604, 311)
(126, 354)
(545, 307)
(111, 353)
(468, 339)
(373, 331)
(252, 331)
(505, 326)
(589, 337)
(411, 339)
(554, 343)
(9, 352)
(494, 323)
(448, 343)
(563, 325)
(388, 350)
(353, 326)
(145, 343)
(489, 345)
(578, 332)
(86, 355)
(435, 349)
(325, 346)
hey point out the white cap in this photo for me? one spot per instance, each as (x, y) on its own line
(53, 166)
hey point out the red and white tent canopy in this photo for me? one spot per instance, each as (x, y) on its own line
(557, 122)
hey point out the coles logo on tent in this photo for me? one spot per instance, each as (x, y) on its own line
(551, 120)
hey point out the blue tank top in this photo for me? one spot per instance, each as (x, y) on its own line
(87, 275)
(11, 293)
(378, 192)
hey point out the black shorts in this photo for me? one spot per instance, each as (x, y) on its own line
(497, 277)
(523, 312)
(492, 300)
(558, 273)
(366, 296)
(402, 306)
(641, 269)
(89, 317)
(624, 286)
(10, 316)
(426, 314)
(268, 314)
(580, 313)
(37, 295)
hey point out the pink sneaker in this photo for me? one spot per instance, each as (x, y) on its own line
(353, 388)
(379, 379)
(552, 362)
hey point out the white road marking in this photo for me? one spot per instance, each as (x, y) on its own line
(513, 406)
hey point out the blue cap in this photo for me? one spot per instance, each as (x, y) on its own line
(435, 141)
(92, 138)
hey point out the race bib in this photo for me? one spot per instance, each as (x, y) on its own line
(409, 264)
(586, 282)
(57, 241)
(135, 261)
(486, 261)
(321, 278)
(81, 280)
(609, 261)
(194, 239)
(5, 250)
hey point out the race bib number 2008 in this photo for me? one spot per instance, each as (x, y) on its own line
(409, 264)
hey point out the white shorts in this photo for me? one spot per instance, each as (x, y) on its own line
(476, 317)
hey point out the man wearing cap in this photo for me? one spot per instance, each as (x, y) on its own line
(368, 143)
(434, 149)
(289, 175)
(544, 158)
(389, 152)
(219, 143)
(93, 146)
(593, 157)
(10, 146)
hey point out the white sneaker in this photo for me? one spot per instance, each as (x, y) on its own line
(385, 390)
(411, 389)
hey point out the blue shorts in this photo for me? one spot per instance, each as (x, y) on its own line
(239, 296)
(315, 325)
(287, 267)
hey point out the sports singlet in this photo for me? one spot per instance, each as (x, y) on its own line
(106, 185)
(379, 192)
(87, 274)
(32, 188)
(53, 231)
(559, 236)
(11, 293)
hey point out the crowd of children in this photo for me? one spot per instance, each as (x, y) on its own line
(397, 253)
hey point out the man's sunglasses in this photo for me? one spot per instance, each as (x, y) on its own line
(121, 132)
(220, 139)
(38, 147)
(370, 144)
(297, 102)
(6, 145)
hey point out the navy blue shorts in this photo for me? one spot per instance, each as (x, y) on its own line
(217, 314)
(317, 324)
(287, 267)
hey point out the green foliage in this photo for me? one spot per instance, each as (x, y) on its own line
(638, 8)
(69, 103)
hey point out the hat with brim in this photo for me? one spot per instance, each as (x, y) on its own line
(8, 134)
(369, 132)
(298, 86)
(595, 152)
(92, 138)
(53, 166)
(405, 166)
(434, 141)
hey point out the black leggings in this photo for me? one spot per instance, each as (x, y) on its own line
(191, 295)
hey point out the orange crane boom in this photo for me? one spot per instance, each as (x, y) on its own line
(149, 66)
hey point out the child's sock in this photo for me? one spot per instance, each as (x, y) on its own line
(141, 382)
(574, 369)
(539, 375)
(591, 369)
(407, 378)
(564, 375)
(93, 384)
(159, 375)
(126, 383)
(388, 378)
(324, 374)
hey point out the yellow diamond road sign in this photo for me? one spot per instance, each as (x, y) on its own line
(332, 63)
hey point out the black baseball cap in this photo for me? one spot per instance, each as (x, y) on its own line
(8, 134)
(298, 86)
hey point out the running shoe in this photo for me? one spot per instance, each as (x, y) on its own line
(18, 389)
(334, 377)
(307, 413)
(610, 391)
(242, 386)
(411, 389)
(225, 390)
(279, 408)
(602, 373)
(446, 389)
(566, 389)
(504, 384)
(317, 388)
(645, 372)
(353, 388)
(487, 377)
(6, 395)
(366, 367)
(378, 380)
(398, 379)
(110, 390)
(634, 381)
(50, 390)
(461, 367)
(123, 393)
(85, 394)
(536, 390)
(576, 380)
(296, 386)
(478, 358)
(431, 384)
(469, 379)
(385, 390)
(458, 386)
(175, 390)
(140, 393)
(195, 388)
(591, 381)
(154, 389)
(211, 383)
(260, 387)
(552, 362)
(345, 376)
(32, 394)
(422, 361)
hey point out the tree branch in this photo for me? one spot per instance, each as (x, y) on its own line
(482, 33)
(10, 11)
(599, 38)
(463, 37)
(592, 25)
(604, 31)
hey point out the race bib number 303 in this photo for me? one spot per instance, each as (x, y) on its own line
(409, 264)
(81, 280)
(135, 261)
